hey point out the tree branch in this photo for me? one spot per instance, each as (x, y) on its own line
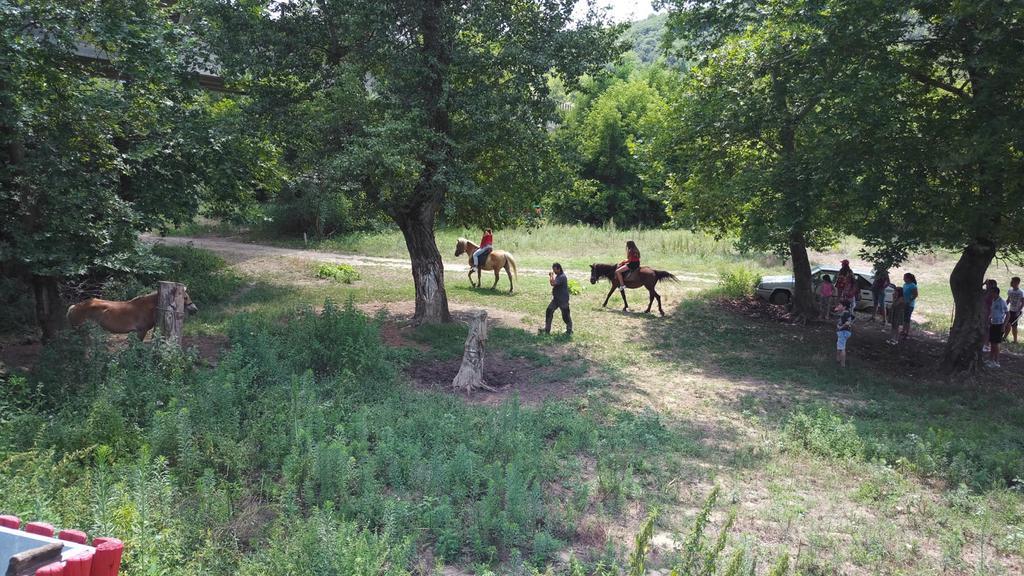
(927, 80)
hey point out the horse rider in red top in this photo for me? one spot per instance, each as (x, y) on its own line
(486, 246)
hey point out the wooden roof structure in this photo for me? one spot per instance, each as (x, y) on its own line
(209, 79)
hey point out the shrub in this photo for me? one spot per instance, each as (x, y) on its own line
(340, 272)
(575, 288)
(825, 433)
(324, 546)
(737, 283)
(698, 554)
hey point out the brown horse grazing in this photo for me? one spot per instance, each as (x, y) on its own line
(496, 260)
(644, 276)
(136, 315)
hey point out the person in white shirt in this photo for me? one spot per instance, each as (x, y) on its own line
(1015, 303)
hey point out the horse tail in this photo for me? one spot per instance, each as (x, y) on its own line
(660, 275)
(512, 262)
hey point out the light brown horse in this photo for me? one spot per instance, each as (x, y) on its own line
(136, 315)
(496, 260)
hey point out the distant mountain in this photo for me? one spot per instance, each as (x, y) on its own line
(645, 38)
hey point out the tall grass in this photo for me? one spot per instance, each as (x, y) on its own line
(306, 428)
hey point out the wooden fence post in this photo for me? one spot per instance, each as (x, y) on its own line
(171, 310)
(471, 373)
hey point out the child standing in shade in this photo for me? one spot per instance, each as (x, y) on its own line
(986, 299)
(1015, 303)
(878, 287)
(997, 319)
(897, 315)
(910, 295)
(825, 293)
(844, 329)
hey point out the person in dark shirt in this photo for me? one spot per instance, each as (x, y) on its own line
(559, 299)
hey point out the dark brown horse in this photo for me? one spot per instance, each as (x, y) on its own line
(644, 276)
(136, 315)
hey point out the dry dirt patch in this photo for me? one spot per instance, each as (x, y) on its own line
(510, 376)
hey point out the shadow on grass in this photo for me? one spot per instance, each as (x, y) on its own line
(961, 434)
(679, 445)
(485, 291)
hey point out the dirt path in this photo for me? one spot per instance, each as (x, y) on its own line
(236, 252)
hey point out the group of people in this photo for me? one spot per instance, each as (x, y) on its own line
(1002, 314)
(841, 296)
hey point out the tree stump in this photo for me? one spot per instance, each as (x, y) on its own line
(171, 311)
(471, 373)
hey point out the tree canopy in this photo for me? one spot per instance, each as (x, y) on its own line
(761, 143)
(414, 108)
(98, 150)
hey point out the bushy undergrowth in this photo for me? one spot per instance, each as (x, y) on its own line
(737, 283)
(301, 443)
(340, 272)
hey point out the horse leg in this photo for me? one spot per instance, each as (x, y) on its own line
(658, 296)
(625, 305)
(471, 279)
(497, 276)
(650, 302)
(141, 333)
(608, 297)
(508, 272)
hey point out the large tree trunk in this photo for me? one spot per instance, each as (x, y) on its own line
(50, 309)
(803, 291)
(427, 267)
(970, 320)
(416, 217)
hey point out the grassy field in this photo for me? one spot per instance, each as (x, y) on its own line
(298, 442)
(681, 251)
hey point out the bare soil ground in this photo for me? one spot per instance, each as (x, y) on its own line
(513, 377)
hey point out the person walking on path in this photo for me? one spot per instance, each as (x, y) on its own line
(1015, 303)
(844, 329)
(559, 299)
(910, 295)
(486, 246)
(997, 318)
(878, 287)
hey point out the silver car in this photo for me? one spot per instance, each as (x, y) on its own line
(779, 289)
